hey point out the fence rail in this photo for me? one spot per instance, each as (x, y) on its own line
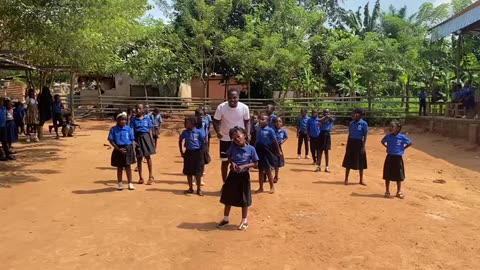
(385, 107)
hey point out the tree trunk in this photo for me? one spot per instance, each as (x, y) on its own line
(407, 94)
(72, 87)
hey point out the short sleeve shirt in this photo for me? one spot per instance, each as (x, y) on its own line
(396, 144)
(121, 136)
(242, 155)
(193, 138)
(281, 135)
(157, 120)
(231, 117)
(327, 125)
(313, 128)
(303, 124)
(272, 119)
(57, 107)
(358, 130)
(266, 136)
(141, 125)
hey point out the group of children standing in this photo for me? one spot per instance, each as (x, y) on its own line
(264, 151)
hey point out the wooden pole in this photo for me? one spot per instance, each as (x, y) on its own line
(459, 57)
(72, 93)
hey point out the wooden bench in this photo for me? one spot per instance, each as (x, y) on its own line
(455, 110)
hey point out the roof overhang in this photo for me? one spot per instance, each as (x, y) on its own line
(468, 20)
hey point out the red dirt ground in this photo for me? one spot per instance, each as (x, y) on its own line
(59, 210)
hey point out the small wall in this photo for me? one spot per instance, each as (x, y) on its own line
(467, 129)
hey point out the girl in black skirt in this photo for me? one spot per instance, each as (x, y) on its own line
(281, 136)
(236, 190)
(145, 146)
(268, 152)
(393, 169)
(122, 139)
(355, 155)
(325, 141)
(193, 158)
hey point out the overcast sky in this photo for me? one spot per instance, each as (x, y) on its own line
(412, 5)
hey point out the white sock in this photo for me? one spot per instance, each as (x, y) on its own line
(244, 220)
(225, 218)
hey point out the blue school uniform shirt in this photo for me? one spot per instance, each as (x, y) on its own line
(272, 118)
(313, 128)
(3, 116)
(327, 125)
(206, 122)
(265, 136)
(121, 136)
(193, 138)
(19, 113)
(396, 144)
(358, 130)
(302, 124)
(156, 120)
(242, 155)
(281, 135)
(57, 107)
(422, 96)
(141, 125)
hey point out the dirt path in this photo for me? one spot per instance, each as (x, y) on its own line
(59, 210)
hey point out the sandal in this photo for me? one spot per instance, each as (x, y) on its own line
(387, 195)
(200, 193)
(400, 195)
(150, 181)
(243, 226)
(140, 182)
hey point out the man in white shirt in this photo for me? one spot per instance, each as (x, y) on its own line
(228, 115)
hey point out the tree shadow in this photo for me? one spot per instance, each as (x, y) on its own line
(17, 174)
(367, 195)
(106, 168)
(94, 191)
(182, 192)
(301, 170)
(204, 227)
(340, 183)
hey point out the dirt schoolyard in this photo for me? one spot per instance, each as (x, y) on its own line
(59, 209)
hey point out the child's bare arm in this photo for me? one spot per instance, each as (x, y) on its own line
(115, 146)
(180, 147)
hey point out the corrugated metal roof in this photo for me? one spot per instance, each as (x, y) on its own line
(459, 21)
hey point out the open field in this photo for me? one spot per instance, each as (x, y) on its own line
(59, 210)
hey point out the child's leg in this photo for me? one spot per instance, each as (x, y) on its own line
(361, 177)
(299, 144)
(326, 158)
(150, 168)
(306, 144)
(347, 173)
(198, 179)
(119, 174)
(156, 139)
(128, 170)
(190, 183)
(399, 187)
(244, 214)
(312, 149)
(139, 168)
(387, 187)
(319, 158)
(261, 178)
(277, 169)
(226, 212)
(270, 180)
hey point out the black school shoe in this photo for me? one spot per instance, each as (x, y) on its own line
(222, 224)
(11, 157)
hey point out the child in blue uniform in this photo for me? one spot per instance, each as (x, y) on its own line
(254, 128)
(268, 153)
(145, 147)
(193, 161)
(3, 132)
(157, 123)
(325, 141)
(271, 115)
(57, 108)
(19, 117)
(394, 169)
(123, 156)
(314, 135)
(236, 190)
(355, 155)
(302, 133)
(281, 136)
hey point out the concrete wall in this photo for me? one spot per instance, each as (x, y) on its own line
(467, 129)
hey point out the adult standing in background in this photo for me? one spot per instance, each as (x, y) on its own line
(422, 98)
(228, 115)
(45, 105)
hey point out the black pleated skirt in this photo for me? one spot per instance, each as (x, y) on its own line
(325, 142)
(145, 144)
(236, 190)
(11, 129)
(281, 159)
(267, 160)
(393, 168)
(121, 160)
(354, 159)
(193, 162)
